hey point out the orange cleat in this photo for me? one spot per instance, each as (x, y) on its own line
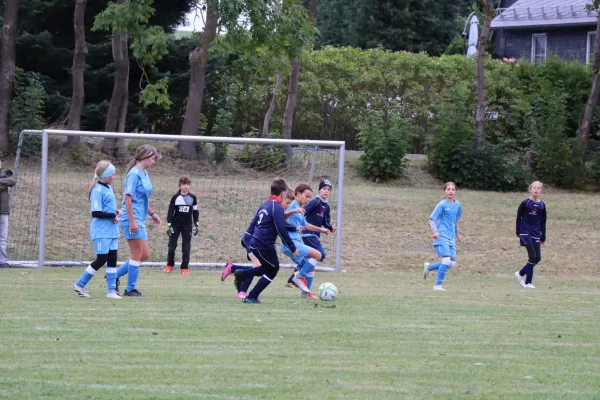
(185, 271)
(168, 269)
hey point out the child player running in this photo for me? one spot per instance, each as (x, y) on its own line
(308, 257)
(104, 231)
(242, 286)
(317, 214)
(531, 230)
(269, 222)
(182, 219)
(444, 226)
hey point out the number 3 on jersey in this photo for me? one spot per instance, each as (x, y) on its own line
(261, 215)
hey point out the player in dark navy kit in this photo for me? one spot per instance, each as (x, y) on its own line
(269, 222)
(182, 219)
(531, 230)
(242, 286)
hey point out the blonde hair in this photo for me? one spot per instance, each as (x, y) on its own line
(290, 194)
(143, 152)
(100, 168)
(535, 183)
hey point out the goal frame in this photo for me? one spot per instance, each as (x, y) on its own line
(46, 133)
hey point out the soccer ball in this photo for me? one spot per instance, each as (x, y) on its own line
(327, 291)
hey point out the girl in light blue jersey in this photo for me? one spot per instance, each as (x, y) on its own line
(104, 231)
(444, 226)
(136, 209)
(308, 257)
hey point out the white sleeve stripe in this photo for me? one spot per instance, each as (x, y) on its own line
(195, 207)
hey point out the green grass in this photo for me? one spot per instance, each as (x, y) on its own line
(389, 336)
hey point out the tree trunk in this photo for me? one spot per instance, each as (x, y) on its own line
(117, 110)
(488, 9)
(290, 106)
(590, 107)
(77, 99)
(198, 61)
(271, 110)
(7, 69)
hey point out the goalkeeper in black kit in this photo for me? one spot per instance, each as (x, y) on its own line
(182, 220)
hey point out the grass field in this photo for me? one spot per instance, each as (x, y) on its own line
(388, 337)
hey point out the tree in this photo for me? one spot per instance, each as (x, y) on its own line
(409, 25)
(272, 105)
(7, 68)
(77, 99)
(583, 133)
(125, 19)
(198, 63)
(292, 99)
(488, 9)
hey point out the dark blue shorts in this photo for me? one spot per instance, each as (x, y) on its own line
(527, 239)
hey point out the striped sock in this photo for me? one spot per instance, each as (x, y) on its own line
(87, 275)
(132, 274)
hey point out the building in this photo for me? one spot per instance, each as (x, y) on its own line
(535, 29)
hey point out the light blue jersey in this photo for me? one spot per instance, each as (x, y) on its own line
(296, 219)
(102, 198)
(138, 185)
(446, 215)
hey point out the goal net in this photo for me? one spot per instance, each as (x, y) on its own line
(231, 177)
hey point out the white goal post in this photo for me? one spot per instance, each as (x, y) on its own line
(229, 191)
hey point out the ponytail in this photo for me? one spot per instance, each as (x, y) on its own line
(143, 152)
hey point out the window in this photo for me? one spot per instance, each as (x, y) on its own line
(538, 48)
(591, 41)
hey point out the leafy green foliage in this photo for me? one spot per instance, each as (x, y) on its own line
(27, 107)
(384, 142)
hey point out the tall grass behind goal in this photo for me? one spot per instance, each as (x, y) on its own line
(230, 176)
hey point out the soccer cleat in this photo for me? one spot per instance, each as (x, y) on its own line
(310, 295)
(439, 287)
(238, 279)
(530, 286)
(226, 272)
(520, 278)
(241, 295)
(113, 295)
(185, 271)
(250, 300)
(81, 291)
(301, 283)
(291, 285)
(426, 270)
(168, 269)
(132, 293)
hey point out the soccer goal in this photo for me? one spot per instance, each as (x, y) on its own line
(50, 212)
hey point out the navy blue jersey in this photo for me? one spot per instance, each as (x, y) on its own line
(531, 219)
(317, 214)
(249, 231)
(269, 222)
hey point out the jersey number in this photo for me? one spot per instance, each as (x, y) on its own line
(184, 209)
(260, 216)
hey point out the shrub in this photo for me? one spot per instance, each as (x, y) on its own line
(384, 145)
(263, 157)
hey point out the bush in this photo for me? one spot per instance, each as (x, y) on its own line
(263, 157)
(384, 145)
(490, 167)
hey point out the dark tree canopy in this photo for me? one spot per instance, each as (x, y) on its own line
(410, 25)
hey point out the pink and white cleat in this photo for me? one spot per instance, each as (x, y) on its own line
(241, 295)
(226, 272)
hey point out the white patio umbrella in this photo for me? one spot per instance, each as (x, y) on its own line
(473, 36)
